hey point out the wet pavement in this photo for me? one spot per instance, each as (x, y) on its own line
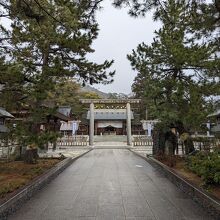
(110, 184)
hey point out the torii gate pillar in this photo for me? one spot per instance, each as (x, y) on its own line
(123, 102)
(128, 114)
(91, 125)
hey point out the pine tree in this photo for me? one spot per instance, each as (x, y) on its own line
(178, 74)
(140, 7)
(48, 41)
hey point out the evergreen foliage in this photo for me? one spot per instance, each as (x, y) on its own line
(208, 10)
(178, 74)
(207, 166)
(47, 42)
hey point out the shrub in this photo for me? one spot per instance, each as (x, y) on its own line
(206, 165)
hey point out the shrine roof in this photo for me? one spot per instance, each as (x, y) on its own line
(215, 114)
(5, 114)
(65, 110)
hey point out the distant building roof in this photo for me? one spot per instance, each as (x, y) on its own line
(65, 110)
(5, 114)
(215, 113)
(109, 114)
(61, 116)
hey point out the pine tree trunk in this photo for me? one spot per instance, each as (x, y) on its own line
(158, 142)
(31, 156)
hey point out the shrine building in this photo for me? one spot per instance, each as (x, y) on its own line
(110, 117)
(110, 121)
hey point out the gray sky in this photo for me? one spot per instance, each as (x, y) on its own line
(119, 34)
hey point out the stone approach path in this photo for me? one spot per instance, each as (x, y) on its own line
(110, 184)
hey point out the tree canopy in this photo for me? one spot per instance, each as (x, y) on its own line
(178, 74)
(47, 41)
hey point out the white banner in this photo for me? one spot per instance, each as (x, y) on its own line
(75, 127)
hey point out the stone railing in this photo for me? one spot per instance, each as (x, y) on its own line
(142, 140)
(78, 140)
(206, 145)
(7, 149)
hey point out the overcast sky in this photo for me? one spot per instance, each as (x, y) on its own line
(119, 34)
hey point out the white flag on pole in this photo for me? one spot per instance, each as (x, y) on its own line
(74, 127)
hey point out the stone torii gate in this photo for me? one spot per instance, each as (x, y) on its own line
(93, 102)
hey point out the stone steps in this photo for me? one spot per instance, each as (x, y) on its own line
(110, 138)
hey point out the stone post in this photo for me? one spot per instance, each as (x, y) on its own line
(146, 117)
(91, 125)
(128, 113)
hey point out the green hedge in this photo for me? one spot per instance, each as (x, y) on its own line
(206, 165)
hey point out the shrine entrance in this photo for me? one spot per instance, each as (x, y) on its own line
(110, 117)
(110, 130)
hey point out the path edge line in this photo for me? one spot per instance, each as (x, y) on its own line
(200, 196)
(16, 201)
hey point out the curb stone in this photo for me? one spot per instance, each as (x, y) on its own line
(15, 202)
(203, 198)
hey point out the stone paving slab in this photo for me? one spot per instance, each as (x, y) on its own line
(110, 184)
